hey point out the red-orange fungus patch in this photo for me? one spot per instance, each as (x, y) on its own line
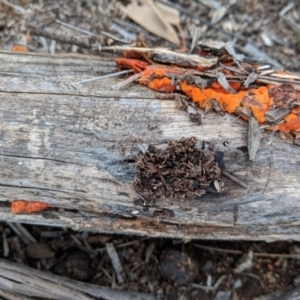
(256, 100)
(19, 48)
(22, 206)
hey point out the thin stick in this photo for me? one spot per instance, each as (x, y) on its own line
(115, 261)
(294, 79)
(76, 28)
(104, 76)
(233, 178)
(107, 34)
(238, 252)
(275, 79)
(203, 287)
(123, 245)
(18, 8)
(88, 42)
(166, 55)
(115, 38)
(127, 81)
(255, 277)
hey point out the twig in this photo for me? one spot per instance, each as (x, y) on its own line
(149, 251)
(22, 232)
(166, 55)
(203, 287)
(123, 245)
(52, 46)
(132, 242)
(251, 49)
(220, 281)
(19, 9)
(77, 28)
(52, 234)
(115, 261)
(286, 78)
(104, 76)
(106, 274)
(255, 277)
(238, 252)
(233, 178)
(115, 38)
(120, 26)
(89, 42)
(127, 81)
(5, 244)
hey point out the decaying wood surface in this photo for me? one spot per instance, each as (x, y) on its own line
(14, 280)
(74, 146)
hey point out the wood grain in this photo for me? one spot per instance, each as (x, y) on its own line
(14, 279)
(74, 146)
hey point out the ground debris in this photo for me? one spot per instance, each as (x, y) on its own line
(178, 266)
(181, 170)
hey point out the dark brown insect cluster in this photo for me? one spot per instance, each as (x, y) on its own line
(181, 170)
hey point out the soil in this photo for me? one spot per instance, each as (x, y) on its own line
(167, 268)
(164, 267)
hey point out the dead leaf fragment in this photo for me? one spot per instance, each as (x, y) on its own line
(219, 14)
(250, 79)
(195, 33)
(254, 137)
(155, 17)
(224, 83)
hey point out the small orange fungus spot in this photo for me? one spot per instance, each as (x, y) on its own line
(291, 123)
(19, 48)
(21, 206)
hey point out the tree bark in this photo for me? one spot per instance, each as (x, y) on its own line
(73, 147)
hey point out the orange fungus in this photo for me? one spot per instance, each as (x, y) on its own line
(256, 100)
(22, 206)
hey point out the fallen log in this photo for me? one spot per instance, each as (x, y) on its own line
(74, 147)
(14, 280)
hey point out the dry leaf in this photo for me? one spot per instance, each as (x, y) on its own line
(219, 14)
(254, 137)
(156, 18)
(250, 79)
(224, 83)
(195, 33)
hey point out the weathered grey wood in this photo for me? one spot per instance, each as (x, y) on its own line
(15, 277)
(73, 146)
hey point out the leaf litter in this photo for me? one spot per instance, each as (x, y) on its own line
(181, 170)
